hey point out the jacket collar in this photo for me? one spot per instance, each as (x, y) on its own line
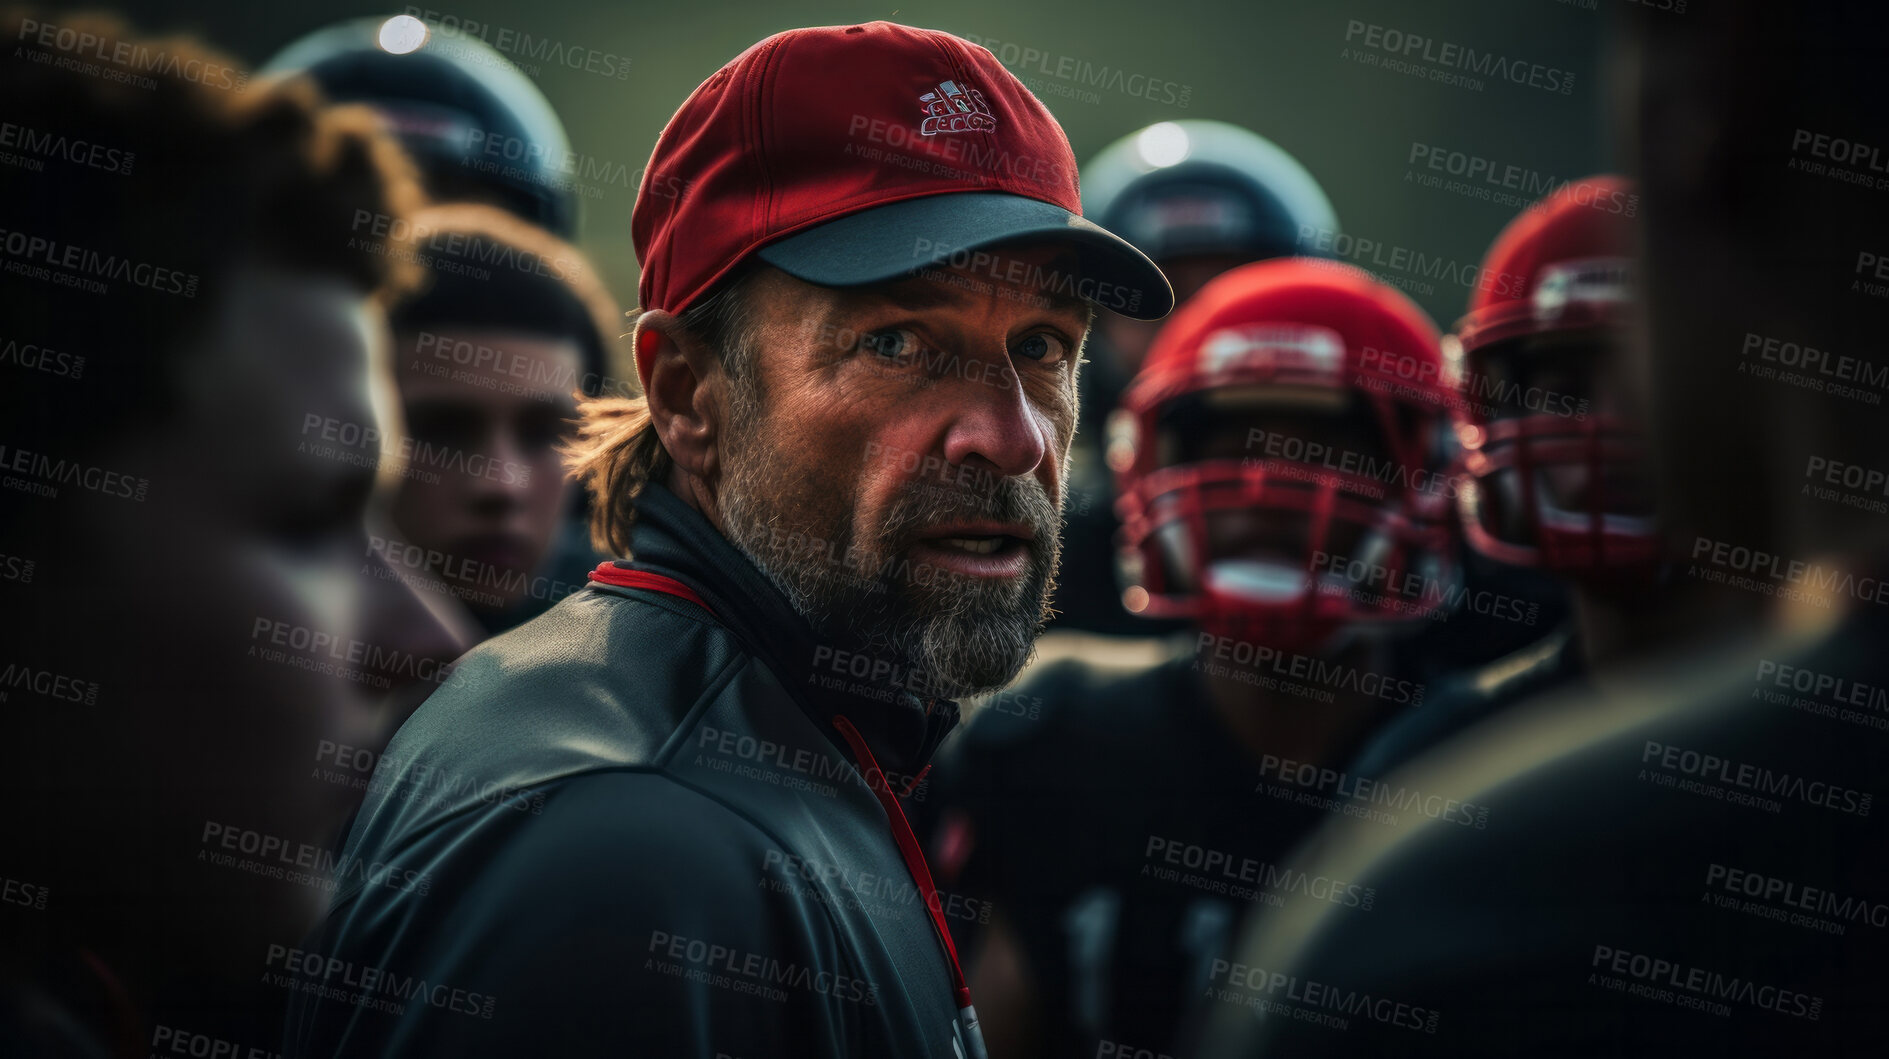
(902, 727)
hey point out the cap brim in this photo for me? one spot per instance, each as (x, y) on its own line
(897, 239)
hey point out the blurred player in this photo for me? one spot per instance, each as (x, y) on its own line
(1200, 198)
(1686, 855)
(491, 357)
(1274, 482)
(196, 389)
(480, 132)
(477, 127)
(1554, 449)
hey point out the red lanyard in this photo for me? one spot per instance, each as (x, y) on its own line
(611, 574)
(908, 848)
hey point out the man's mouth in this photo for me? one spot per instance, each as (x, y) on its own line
(979, 549)
(974, 545)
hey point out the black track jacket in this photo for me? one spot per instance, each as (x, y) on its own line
(638, 825)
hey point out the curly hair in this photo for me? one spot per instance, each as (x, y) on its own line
(137, 174)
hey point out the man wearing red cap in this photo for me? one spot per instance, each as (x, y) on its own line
(664, 818)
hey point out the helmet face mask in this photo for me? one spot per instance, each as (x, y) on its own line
(1553, 456)
(1558, 482)
(1266, 493)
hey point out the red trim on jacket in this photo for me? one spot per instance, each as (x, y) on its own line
(610, 573)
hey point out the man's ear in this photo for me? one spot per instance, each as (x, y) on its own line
(685, 386)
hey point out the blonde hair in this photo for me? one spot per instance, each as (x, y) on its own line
(616, 451)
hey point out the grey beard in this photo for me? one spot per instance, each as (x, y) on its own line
(966, 636)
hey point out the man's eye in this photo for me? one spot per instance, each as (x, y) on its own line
(893, 343)
(1042, 346)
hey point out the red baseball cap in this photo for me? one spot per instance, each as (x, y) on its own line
(846, 155)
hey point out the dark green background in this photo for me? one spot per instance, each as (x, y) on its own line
(1273, 67)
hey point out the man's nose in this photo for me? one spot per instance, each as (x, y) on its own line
(505, 480)
(996, 424)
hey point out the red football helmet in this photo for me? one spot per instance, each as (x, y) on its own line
(1267, 536)
(1548, 482)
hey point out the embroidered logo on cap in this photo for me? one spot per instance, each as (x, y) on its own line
(949, 108)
